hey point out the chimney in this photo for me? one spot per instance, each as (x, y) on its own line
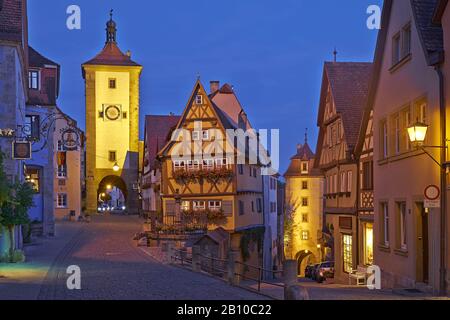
(128, 53)
(214, 86)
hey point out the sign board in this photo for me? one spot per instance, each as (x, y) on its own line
(432, 192)
(430, 204)
(7, 133)
(21, 150)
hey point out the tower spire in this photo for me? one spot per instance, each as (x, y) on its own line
(335, 53)
(111, 29)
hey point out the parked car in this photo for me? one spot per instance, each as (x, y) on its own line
(325, 271)
(309, 271)
(314, 269)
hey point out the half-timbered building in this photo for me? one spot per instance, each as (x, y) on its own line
(206, 181)
(343, 98)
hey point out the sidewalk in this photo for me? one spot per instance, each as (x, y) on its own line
(22, 281)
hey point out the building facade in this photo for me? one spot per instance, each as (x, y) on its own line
(406, 90)
(112, 123)
(304, 205)
(343, 98)
(13, 91)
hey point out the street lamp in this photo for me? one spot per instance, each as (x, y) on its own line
(116, 167)
(108, 187)
(417, 133)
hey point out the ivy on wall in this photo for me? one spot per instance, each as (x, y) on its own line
(248, 236)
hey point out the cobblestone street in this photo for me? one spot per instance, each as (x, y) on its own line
(112, 267)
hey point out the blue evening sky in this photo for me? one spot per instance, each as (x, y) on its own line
(271, 51)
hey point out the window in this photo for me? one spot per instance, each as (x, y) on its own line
(199, 99)
(193, 165)
(406, 40)
(254, 172)
(273, 207)
(396, 49)
(385, 223)
(347, 252)
(367, 175)
(32, 127)
(304, 202)
(112, 156)
(185, 205)
(112, 83)
(305, 235)
(259, 205)
(253, 206)
(124, 115)
(343, 184)
(384, 138)
(62, 171)
(241, 169)
(305, 218)
(205, 135)
(368, 244)
(407, 123)
(241, 208)
(198, 205)
(60, 146)
(196, 136)
(397, 134)
(221, 163)
(421, 111)
(208, 164)
(178, 165)
(214, 205)
(401, 208)
(33, 177)
(349, 181)
(335, 183)
(273, 184)
(304, 167)
(62, 200)
(33, 80)
(304, 185)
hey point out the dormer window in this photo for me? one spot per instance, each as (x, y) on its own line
(305, 167)
(33, 80)
(199, 99)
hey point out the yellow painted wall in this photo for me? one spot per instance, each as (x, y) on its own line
(112, 135)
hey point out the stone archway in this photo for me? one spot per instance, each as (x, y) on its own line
(112, 181)
(304, 258)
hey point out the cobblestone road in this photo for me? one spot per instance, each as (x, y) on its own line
(113, 268)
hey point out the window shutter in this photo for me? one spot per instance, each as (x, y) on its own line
(227, 207)
(170, 208)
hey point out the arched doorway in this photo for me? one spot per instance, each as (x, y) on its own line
(112, 194)
(304, 258)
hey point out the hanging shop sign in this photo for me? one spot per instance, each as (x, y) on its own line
(21, 150)
(7, 133)
(70, 139)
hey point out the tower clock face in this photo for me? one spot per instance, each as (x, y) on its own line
(112, 113)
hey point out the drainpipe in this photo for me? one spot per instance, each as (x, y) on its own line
(443, 123)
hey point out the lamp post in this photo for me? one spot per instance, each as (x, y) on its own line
(417, 134)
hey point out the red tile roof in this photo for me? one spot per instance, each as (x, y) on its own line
(11, 20)
(158, 129)
(37, 60)
(349, 82)
(111, 56)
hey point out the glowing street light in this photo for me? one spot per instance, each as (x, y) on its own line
(116, 167)
(108, 187)
(417, 133)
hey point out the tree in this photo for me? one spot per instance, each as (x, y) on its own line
(15, 201)
(290, 226)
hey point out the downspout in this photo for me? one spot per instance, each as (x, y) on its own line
(443, 124)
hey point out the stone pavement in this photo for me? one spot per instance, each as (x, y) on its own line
(24, 280)
(112, 267)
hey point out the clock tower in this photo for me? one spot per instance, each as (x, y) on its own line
(112, 125)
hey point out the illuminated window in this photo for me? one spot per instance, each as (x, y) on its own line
(185, 206)
(347, 254)
(305, 235)
(33, 177)
(368, 244)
